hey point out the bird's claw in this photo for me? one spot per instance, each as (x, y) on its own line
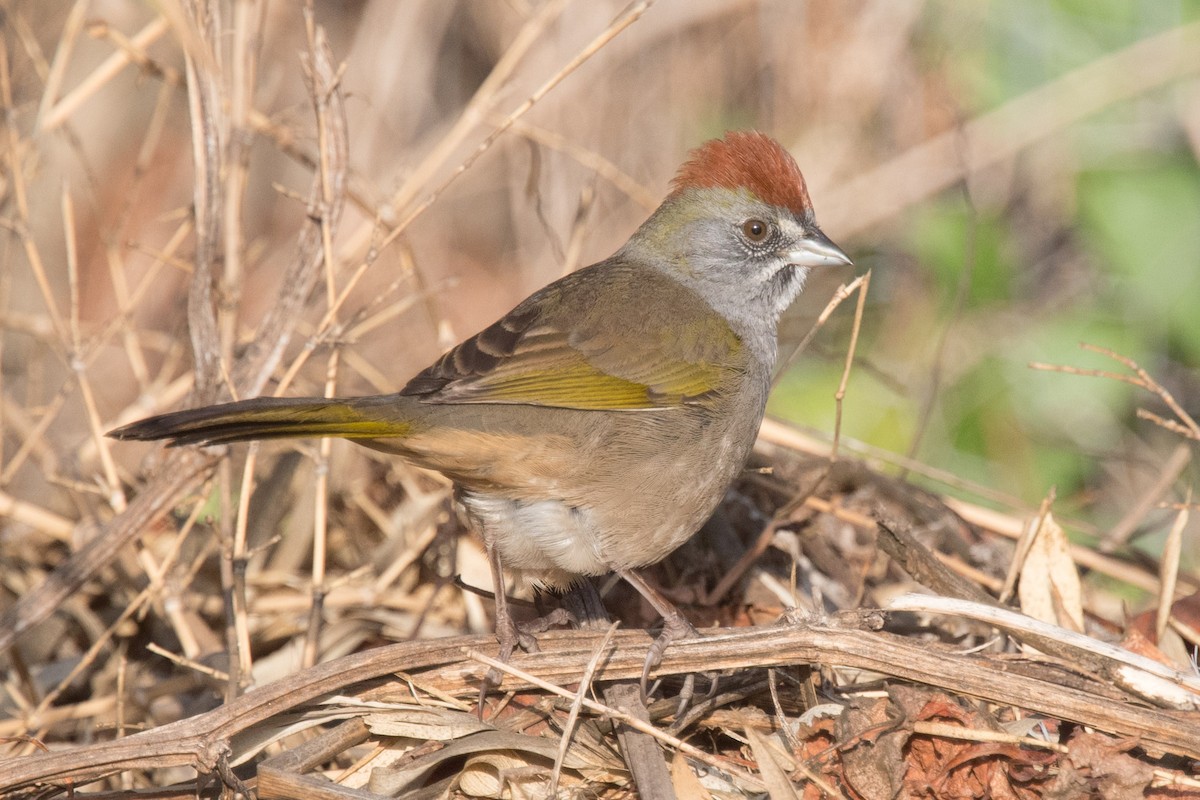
(675, 627)
(510, 635)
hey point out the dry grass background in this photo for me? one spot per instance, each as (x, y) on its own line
(888, 109)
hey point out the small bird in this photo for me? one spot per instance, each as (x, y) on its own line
(596, 426)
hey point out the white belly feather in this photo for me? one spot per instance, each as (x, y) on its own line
(540, 535)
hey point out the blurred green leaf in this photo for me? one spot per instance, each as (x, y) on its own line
(871, 412)
(941, 236)
(1143, 220)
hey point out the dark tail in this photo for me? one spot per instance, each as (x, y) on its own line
(274, 418)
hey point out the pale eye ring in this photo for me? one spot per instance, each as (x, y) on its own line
(755, 230)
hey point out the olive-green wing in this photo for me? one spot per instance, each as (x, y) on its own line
(650, 344)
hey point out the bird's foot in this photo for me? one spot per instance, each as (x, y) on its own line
(510, 635)
(527, 631)
(675, 627)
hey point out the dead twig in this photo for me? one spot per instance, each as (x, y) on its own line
(181, 469)
(200, 741)
(1140, 378)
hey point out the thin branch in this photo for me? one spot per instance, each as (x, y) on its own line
(630, 15)
(438, 665)
(840, 394)
(839, 296)
(1169, 568)
(208, 135)
(1140, 378)
(53, 114)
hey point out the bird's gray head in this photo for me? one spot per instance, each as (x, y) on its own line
(738, 228)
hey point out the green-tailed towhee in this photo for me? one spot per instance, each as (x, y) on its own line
(595, 426)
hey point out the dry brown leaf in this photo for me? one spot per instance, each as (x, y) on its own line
(685, 780)
(421, 722)
(1187, 610)
(491, 753)
(874, 767)
(1050, 590)
(1100, 766)
(779, 785)
(941, 766)
(504, 773)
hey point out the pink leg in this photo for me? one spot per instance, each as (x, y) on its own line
(675, 626)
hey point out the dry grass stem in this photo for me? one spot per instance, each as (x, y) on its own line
(621, 716)
(839, 296)
(1169, 569)
(956, 732)
(585, 686)
(1024, 543)
(851, 348)
(1140, 378)
(1144, 676)
(484, 97)
(1170, 472)
(56, 112)
(627, 17)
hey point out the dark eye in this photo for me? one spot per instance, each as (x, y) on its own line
(755, 231)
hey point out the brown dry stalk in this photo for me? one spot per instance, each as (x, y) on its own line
(54, 113)
(1183, 425)
(1140, 378)
(202, 741)
(840, 394)
(182, 469)
(630, 15)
